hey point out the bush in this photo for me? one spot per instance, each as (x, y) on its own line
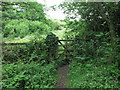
(24, 66)
(32, 51)
(16, 28)
(24, 27)
(30, 75)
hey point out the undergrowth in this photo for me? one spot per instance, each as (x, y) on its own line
(29, 75)
(90, 75)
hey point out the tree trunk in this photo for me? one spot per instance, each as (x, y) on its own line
(113, 43)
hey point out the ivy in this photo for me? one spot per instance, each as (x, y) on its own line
(52, 46)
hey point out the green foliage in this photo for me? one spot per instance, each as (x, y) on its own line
(94, 20)
(25, 66)
(29, 75)
(52, 45)
(95, 14)
(33, 51)
(19, 21)
(91, 76)
(55, 24)
(21, 10)
(16, 28)
(23, 27)
(95, 29)
(96, 45)
(51, 41)
(96, 38)
(39, 27)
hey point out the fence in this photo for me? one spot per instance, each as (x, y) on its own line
(51, 51)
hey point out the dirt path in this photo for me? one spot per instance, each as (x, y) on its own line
(62, 81)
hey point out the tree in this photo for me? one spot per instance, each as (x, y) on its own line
(99, 17)
(20, 10)
(23, 18)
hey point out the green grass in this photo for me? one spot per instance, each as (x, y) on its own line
(59, 33)
(18, 39)
(26, 39)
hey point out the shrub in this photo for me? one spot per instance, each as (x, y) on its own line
(29, 75)
(24, 27)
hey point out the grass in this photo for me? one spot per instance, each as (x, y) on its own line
(59, 33)
(18, 39)
(26, 39)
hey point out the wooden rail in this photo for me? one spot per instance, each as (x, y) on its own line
(66, 40)
(64, 54)
(68, 50)
(66, 45)
(74, 40)
(4, 44)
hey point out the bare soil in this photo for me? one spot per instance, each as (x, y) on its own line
(62, 77)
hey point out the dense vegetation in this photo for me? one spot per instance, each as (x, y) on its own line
(24, 66)
(94, 27)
